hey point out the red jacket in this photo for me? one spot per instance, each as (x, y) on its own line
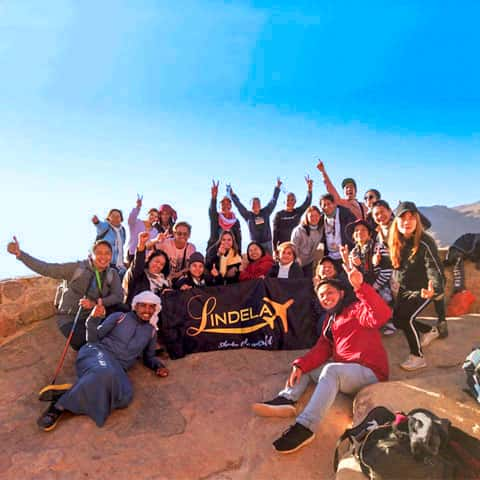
(258, 268)
(356, 336)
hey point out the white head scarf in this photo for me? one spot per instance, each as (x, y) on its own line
(149, 297)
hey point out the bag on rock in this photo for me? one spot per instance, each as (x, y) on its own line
(471, 365)
(460, 303)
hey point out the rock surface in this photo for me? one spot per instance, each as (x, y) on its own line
(197, 423)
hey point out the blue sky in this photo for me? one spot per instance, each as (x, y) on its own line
(101, 100)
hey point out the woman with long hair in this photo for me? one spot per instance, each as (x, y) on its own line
(418, 274)
(224, 260)
(259, 262)
(306, 238)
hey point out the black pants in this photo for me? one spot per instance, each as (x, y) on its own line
(405, 313)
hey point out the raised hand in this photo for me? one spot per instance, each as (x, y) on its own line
(215, 188)
(345, 254)
(309, 183)
(428, 292)
(95, 220)
(355, 277)
(139, 200)
(143, 238)
(355, 259)
(162, 372)
(321, 166)
(279, 182)
(377, 257)
(14, 247)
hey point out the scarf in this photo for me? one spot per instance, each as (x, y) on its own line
(226, 221)
(118, 245)
(157, 282)
(231, 258)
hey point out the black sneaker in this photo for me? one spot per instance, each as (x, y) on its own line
(49, 418)
(51, 393)
(296, 437)
(278, 407)
(442, 329)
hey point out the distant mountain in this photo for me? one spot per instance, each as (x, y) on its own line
(449, 223)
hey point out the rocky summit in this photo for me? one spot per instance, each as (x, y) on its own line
(197, 423)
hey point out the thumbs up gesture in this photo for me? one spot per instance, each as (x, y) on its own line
(214, 271)
(98, 309)
(14, 247)
(428, 292)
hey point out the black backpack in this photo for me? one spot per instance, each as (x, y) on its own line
(419, 445)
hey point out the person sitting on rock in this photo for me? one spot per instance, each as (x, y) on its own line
(84, 282)
(113, 346)
(358, 209)
(143, 274)
(286, 220)
(224, 220)
(258, 218)
(137, 226)
(224, 260)
(348, 356)
(259, 262)
(287, 265)
(196, 277)
(112, 230)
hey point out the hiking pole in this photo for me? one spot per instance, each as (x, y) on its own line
(67, 343)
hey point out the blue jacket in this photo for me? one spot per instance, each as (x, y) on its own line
(106, 232)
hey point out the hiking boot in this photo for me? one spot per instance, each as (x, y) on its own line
(49, 418)
(278, 407)
(293, 439)
(429, 337)
(51, 393)
(413, 363)
(442, 329)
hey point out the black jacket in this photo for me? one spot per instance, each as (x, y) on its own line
(187, 279)
(294, 272)
(215, 228)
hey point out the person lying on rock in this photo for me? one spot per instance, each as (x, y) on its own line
(348, 356)
(84, 282)
(112, 347)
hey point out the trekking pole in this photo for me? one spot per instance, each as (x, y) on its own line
(67, 343)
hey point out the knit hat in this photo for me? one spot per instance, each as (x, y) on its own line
(196, 257)
(405, 207)
(346, 181)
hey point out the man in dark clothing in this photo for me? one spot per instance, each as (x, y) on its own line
(111, 349)
(286, 220)
(258, 219)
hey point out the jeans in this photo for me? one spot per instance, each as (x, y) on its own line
(330, 378)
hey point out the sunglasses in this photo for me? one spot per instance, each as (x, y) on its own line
(369, 197)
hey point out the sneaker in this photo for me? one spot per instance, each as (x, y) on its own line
(49, 418)
(51, 393)
(413, 363)
(294, 438)
(389, 329)
(442, 329)
(278, 407)
(429, 337)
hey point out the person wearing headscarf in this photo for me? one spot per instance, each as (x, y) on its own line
(167, 217)
(223, 220)
(112, 348)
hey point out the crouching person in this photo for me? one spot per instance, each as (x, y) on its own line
(348, 356)
(112, 348)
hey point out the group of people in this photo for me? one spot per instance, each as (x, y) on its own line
(374, 270)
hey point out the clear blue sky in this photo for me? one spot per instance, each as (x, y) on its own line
(101, 100)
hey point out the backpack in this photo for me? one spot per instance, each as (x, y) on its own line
(472, 370)
(79, 271)
(419, 445)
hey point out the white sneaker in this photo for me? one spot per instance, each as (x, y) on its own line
(389, 328)
(413, 363)
(429, 337)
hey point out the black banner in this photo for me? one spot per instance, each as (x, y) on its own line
(271, 314)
